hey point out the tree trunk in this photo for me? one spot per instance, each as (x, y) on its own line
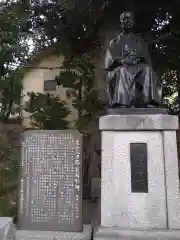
(6, 117)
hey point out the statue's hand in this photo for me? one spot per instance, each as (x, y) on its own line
(126, 61)
(130, 61)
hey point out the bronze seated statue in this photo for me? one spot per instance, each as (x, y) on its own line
(131, 80)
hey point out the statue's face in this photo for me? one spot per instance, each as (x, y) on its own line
(127, 20)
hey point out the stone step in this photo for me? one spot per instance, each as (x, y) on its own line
(49, 235)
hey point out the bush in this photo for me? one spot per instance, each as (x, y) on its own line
(47, 111)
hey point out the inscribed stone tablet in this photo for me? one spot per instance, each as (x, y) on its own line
(51, 181)
(139, 177)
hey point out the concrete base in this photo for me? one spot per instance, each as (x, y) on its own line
(48, 235)
(117, 233)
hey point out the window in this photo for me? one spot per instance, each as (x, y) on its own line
(49, 85)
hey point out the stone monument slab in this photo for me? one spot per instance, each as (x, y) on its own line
(51, 181)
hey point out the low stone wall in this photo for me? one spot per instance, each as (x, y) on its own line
(7, 228)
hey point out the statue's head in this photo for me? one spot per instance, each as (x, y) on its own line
(127, 20)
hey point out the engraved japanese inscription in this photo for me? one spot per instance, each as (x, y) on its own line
(139, 174)
(51, 177)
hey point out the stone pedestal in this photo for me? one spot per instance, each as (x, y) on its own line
(139, 181)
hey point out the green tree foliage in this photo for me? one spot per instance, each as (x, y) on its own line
(10, 88)
(77, 75)
(76, 22)
(67, 22)
(47, 111)
(13, 50)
